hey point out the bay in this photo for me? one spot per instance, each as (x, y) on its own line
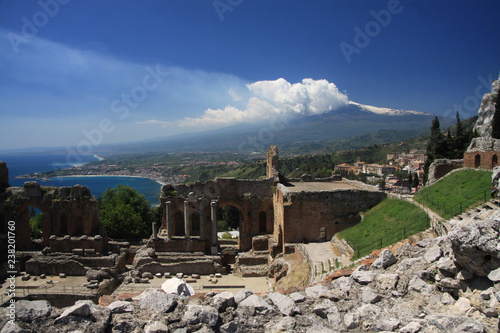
(32, 163)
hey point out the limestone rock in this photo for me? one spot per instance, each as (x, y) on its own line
(297, 297)
(387, 325)
(196, 314)
(325, 308)
(386, 282)
(405, 264)
(494, 275)
(351, 321)
(449, 283)
(451, 323)
(433, 254)
(420, 286)
(318, 291)
(363, 277)
(369, 296)
(230, 327)
(31, 310)
(159, 302)
(120, 307)
(447, 267)
(475, 245)
(80, 310)
(385, 260)
(242, 295)
(285, 324)
(156, 327)
(412, 327)
(284, 303)
(486, 112)
(256, 304)
(223, 300)
(13, 328)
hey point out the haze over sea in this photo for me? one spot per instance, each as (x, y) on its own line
(21, 164)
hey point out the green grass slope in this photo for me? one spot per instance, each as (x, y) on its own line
(387, 223)
(456, 192)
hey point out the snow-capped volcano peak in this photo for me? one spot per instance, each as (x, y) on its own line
(386, 111)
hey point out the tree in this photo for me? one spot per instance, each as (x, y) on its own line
(415, 181)
(125, 213)
(495, 126)
(36, 222)
(461, 139)
(436, 146)
(229, 214)
(410, 180)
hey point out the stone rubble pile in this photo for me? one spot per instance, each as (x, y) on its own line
(447, 284)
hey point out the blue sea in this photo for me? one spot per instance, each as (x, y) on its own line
(21, 164)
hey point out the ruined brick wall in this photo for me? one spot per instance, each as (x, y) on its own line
(67, 211)
(481, 159)
(316, 216)
(482, 153)
(441, 167)
(253, 198)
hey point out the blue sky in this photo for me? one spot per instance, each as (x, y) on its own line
(116, 71)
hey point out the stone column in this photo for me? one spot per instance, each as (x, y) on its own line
(187, 224)
(213, 206)
(169, 219)
(155, 232)
(202, 219)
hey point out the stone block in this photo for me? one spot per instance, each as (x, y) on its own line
(260, 243)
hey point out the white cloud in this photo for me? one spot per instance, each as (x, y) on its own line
(232, 92)
(271, 98)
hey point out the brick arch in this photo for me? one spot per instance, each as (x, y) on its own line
(477, 161)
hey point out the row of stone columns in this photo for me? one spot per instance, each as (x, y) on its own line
(187, 220)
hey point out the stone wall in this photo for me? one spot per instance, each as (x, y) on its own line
(253, 198)
(67, 211)
(49, 265)
(272, 170)
(439, 168)
(317, 216)
(69, 244)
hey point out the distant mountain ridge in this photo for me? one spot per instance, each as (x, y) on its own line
(354, 119)
(387, 111)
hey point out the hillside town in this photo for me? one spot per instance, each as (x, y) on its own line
(412, 163)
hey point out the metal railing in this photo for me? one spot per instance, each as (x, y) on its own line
(391, 238)
(459, 208)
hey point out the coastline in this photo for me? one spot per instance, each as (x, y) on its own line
(128, 176)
